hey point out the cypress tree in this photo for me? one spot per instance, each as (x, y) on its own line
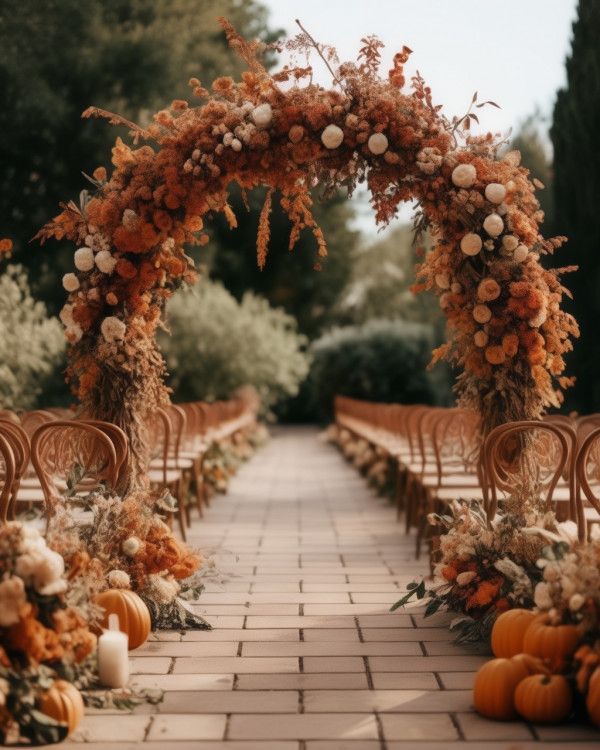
(575, 135)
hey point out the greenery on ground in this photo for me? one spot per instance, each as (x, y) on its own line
(577, 196)
(31, 343)
(218, 344)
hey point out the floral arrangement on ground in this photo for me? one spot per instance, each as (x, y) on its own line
(46, 616)
(484, 569)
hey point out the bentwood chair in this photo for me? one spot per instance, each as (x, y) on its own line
(18, 440)
(161, 476)
(534, 456)
(587, 472)
(7, 478)
(75, 456)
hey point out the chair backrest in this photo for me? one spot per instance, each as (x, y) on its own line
(7, 478)
(587, 470)
(31, 420)
(528, 454)
(18, 440)
(159, 436)
(178, 419)
(58, 447)
(456, 442)
(120, 443)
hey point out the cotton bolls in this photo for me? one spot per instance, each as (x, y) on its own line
(495, 192)
(377, 143)
(262, 115)
(84, 259)
(471, 244)
(70, 282)
(113, 329)
(105, 261)
(493, 225)
(520, 253)
(464, 175)
(332, 136)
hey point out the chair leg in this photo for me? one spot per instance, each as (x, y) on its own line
(198, 485)
(178, 494)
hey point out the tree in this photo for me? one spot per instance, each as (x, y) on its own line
(531, 140)
(289, 280)
(577, 194)
(58, 57)
(31, 344)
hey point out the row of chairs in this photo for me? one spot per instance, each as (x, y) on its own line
(439, 456)
(49, 453)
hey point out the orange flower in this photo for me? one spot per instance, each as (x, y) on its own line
(484, 594)
(449, 572)
(6, 246)
(488, 290)
(495, 355)
(126, 269)
(510, 344)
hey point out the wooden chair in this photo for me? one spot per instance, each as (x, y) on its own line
(587, 473)
(58, 447)
(159, 432)
(7, 478)
(533, 454)
(18, 440)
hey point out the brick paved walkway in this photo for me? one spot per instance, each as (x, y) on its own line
(304, 654)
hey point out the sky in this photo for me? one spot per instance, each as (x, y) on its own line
(512, 52)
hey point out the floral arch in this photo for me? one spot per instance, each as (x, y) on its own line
(506, 330)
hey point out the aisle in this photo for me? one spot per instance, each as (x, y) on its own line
(304, 654)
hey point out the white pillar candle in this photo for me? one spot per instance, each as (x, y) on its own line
(113, 655)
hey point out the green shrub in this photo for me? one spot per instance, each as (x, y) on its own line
(378, 361)
(218, 344)
(31, 344)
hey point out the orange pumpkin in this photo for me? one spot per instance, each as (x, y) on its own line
(544, 699)
(592, 702)
(63, 703)
(509, 630)
(134, 617)
(495, 684)
(554, 643)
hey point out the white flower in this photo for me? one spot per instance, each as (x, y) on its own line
(74, 332)
(542, 597)
(163, 590)
(493, 225)
(105, 261)
(464, 175)
(332, 136)
(463, 579)
(40, 568)
(509, 243)
(84, 259)
(377, 143)
(262, 115)
(113, 329)
(118, 579)
(131, 546)
(442, 280)
(576, 602)
(129, 219)
(471, 244)
(520, 254)
(12, 598)
(495, 192)
(66, 315)
(70, 282)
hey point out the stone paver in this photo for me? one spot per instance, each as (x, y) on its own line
(305, 654)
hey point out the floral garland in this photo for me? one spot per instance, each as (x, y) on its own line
(45, 618)
(505, 326)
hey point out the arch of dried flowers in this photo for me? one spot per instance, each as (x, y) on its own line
(506, 330)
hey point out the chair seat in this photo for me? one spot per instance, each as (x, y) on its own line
(181, 463)
(459, 493)
(157, 476)
(453, 480)
(30, 495)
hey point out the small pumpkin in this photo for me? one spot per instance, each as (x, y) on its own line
(134, 616)
(509, 631)
(544, 699)
(592, 702)
(553, 643)
(63, 703)
(495, 684)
